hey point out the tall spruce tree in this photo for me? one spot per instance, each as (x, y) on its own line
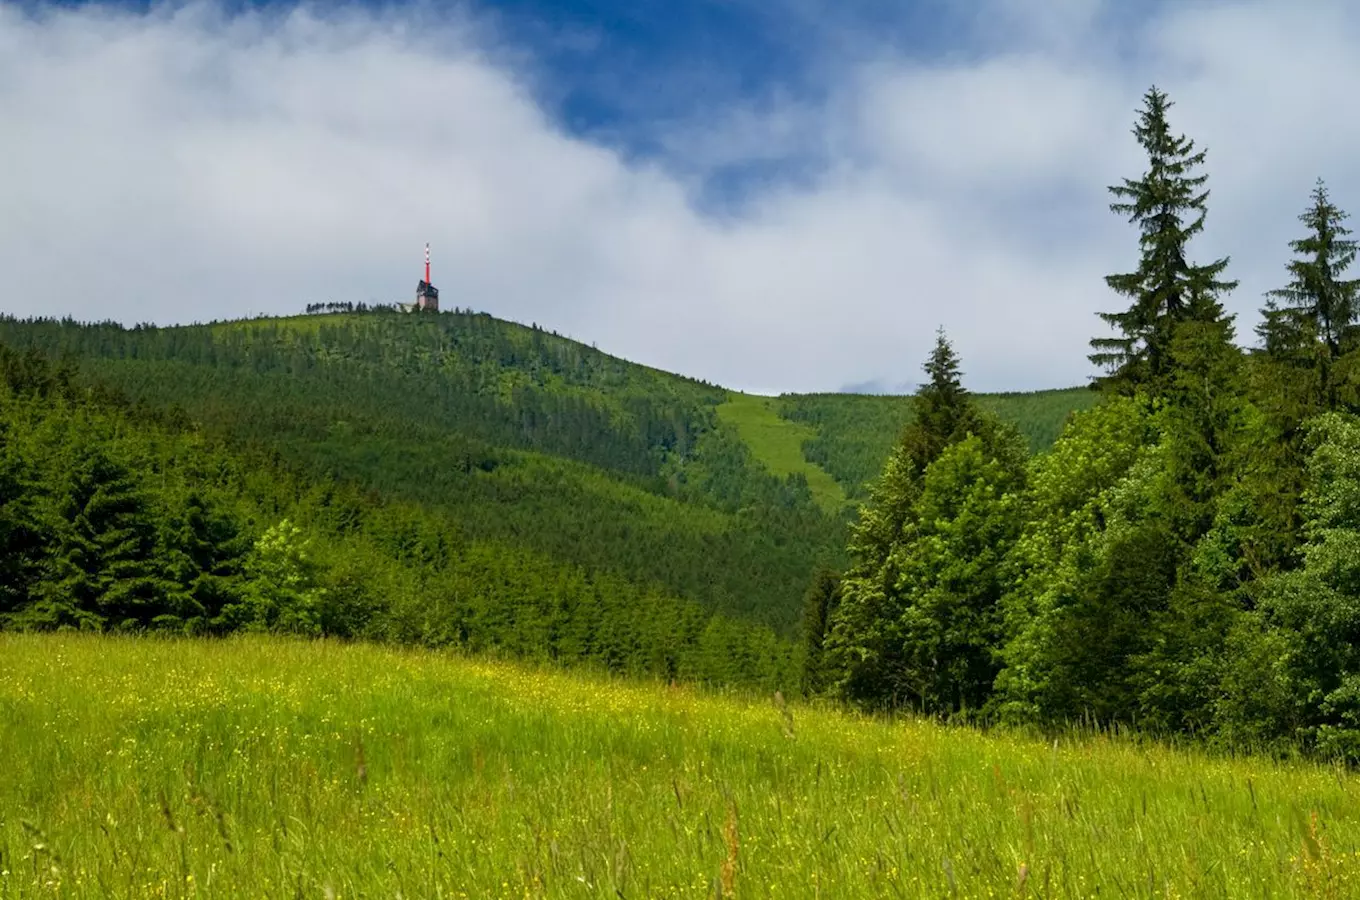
(21, 541)
(944, 413)
(101, 568)
(1311, 323)
(1168, 205)
(916, 615)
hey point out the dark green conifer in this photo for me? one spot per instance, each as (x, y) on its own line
(1310, 324)
(21, 540)
(819, 604)
(101, 569)
(944, 408)
(1168, 205)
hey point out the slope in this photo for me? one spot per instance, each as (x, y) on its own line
(120, 518)
(516, 435)
(778, 444)
(260, 768)
(852, 434)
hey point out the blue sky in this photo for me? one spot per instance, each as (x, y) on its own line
(787, 195)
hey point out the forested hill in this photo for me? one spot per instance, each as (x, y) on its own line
(524, 439)
(852, 434)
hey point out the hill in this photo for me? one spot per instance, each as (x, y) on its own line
(778, 444)
(511, 436)
(116, 516)
(264, 767)
(850, 435)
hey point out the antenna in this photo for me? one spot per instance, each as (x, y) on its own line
(427, 263)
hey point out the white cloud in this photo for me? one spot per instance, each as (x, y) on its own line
(187, 166)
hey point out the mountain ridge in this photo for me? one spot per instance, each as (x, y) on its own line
(527, 438)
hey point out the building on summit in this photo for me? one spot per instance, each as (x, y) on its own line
(427, 295)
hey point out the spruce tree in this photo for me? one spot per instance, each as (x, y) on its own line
(819, 605)
(945, 414)
(916, 612)
(21, 540)
(1168, 205)
(101, 568)
(943, 406)
(202, 550)
(1311, 322)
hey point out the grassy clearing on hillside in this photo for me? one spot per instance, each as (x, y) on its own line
(851, 435)
(267, 769)
(778, 444)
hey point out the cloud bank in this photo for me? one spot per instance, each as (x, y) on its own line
(188, 165)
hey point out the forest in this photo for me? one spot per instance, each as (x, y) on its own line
(1184, 560)
(1172, 549)
(116, 516)
(507, 436)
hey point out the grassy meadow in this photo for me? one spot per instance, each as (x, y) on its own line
(778, 444)
(268, 768)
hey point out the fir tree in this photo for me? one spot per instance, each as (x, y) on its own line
(819, 605)
(945, 414)
(202, 551)
(1168, 205)
(944, 409)
(1311, 322)
(100, 569)
(21, 540)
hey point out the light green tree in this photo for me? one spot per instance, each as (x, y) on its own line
(282, 592)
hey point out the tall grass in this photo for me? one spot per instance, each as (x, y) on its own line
(260, 768)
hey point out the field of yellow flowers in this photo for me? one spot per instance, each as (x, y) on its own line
(267, 768)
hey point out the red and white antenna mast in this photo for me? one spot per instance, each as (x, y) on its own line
(427, 263)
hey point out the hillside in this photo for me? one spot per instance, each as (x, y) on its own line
(850, 435)
(528, 440)
(777, 443)
(263, 768)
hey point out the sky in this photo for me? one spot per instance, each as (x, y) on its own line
(772, 195)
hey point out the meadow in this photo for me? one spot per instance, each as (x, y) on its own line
(778, 444)
(252, 767)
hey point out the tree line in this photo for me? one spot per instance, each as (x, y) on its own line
(515, 435)
(1185, 559)
(116, 515)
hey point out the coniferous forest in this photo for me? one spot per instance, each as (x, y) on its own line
(1184, 559)
(1176, 549)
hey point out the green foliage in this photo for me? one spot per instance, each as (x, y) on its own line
(854, 434)
(1315, 610)
(1168, 205)
(282, 592)
(1054, 605)
(1310, 325)
(950, 568)
(917, 619)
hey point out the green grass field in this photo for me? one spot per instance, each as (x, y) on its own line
(260, 768)
(778, 444)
